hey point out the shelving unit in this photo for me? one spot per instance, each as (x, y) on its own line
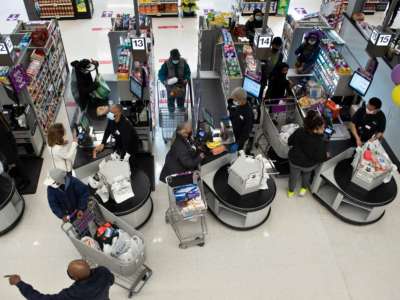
(373, 6)
(333, 11)
(189, 8)
(246, 7)
(59, 9)
(159, 8)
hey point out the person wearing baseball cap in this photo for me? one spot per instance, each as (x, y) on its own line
(66, 194)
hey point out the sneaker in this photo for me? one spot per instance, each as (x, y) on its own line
(303, 192)
(290, 194)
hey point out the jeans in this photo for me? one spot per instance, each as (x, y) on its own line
(180, 101)
(297, 172)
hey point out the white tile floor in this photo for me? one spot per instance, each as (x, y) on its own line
(301, 252)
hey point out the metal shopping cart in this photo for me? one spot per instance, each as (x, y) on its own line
(169, 121)
(131, 276)
(189, 224)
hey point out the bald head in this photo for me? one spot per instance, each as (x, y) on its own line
(78, 270)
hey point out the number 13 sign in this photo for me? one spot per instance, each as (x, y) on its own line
(138, 44)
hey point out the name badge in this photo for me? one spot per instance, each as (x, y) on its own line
(117, 132)
(368, 127)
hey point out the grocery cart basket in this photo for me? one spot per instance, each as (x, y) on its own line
(169, 121)
(183, 214)
(275, 114)
(129, 275)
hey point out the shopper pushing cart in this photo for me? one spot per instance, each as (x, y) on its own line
(102, 239)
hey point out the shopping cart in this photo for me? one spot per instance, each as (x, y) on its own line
(131, 276)
(169, 121)
(182, 221)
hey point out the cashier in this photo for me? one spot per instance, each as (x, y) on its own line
(122, 130)
(369, 122)
(242, 116)
(255, 21)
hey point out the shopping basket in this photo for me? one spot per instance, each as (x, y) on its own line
(131, 276)
(181, 220)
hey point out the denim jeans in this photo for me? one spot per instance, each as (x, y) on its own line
(297, 173)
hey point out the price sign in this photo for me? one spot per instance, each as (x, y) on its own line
(384, 40)
(374, 37)
(264, 42)
(9, 44)
(138, 44)
(3, 48)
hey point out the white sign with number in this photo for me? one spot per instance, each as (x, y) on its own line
(264, 42)
(3, 48)
(384, 40)
(374, 36)
(9, 44)
(138, 44)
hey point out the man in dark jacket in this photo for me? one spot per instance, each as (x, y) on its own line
(183, 155)
(242, 116)
(175, 74)
(126, 138)
(66, 195)
(254, 22)
(93, 284)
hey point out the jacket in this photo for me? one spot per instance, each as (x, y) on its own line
(307, 55)
(278, 86)
(251, 26)
(96, 287)
(182, 157)
(169, 70)
(307, 149)
(65, 201)
(126, 138)
(242, 118)
(63, 156)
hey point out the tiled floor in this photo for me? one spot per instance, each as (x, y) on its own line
(301, 252)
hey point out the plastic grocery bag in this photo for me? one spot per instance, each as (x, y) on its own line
(103, 90)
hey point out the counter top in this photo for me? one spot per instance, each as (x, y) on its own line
(380, 196)
(246, 203)
(7, 189)
(141, 188)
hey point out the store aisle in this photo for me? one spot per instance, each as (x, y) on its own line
(302, 252)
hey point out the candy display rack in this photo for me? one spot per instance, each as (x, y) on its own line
(59, 9)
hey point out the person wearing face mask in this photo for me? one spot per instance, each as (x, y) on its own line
(122, 130)
(61, 151)
(66, 194)
(278, 84)
(307, 53)
(369, 122)
(93, 284)
(175, 74)
(183, 155)
(255, 21)
(274, 59)
(307, 151)
(241, 115)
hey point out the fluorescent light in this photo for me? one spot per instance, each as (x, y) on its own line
(120, 5)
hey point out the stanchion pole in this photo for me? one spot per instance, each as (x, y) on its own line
(266, 16)
(137, 19)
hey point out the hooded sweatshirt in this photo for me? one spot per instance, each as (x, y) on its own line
(96, 287)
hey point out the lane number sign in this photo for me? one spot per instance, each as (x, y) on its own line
(264, 41)
(381, 40)
(7, 46)
(138, 44)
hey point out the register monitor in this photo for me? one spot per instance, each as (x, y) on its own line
(136, 88)
(360, 83)
(251, 86)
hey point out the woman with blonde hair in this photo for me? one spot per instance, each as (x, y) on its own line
(61, 151)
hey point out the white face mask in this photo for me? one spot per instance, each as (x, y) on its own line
(369, 112)
(110, 116)
(55, 185)
(259, 18)
(175, 62)
(312, 43)
(236, 103)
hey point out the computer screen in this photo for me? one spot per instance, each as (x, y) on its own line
(136, 88)
(85, 123)
(360, 83)
(252, 87)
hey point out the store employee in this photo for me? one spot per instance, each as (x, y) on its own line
(126, 138)
(369, 122)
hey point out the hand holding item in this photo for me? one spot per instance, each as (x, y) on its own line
(65, 219)
(79, 214)
(172, 81)
(13, 279)
(99, 148)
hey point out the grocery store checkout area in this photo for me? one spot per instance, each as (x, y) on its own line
(122, 190)
(355, 185)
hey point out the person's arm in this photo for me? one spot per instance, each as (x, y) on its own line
(353, 126)
(163, 73)
(186, 158)
(299, 50)
(30, 293)
(187, 73)
(110, 277)
(381, 128)
(107, 133)
(68, 153)
(53, 203)
(320, 153)
(82, 192)
(292, 138)
(315, 55)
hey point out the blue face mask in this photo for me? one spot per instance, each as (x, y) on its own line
(110, 116)
(175, 62)
(259, 18)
